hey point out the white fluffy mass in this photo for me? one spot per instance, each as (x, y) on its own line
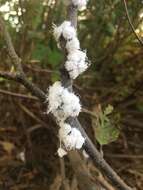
(65, 129)
(61, 152)
(80, 3)
(70, 137)
(66, 30)
(76, 60)
(76, 63)
(72, 45)
(62, 103)
(74, 140)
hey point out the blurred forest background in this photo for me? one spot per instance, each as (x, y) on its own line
(111, 90)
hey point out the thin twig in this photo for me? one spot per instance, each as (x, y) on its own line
(63, 174)
(74, 183)
(28, 84)
(18, 95)
(8, 75)
(41, 70)
(85, 180)
(128, 156)
(84, 110)
(31, 114)
(130, 22)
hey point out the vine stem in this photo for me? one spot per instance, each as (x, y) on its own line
(130, 23)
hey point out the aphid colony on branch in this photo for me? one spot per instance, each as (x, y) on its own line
(62, 103)
(77, 61)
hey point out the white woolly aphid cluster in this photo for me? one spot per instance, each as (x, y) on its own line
(77, 61)
(70, 137)
(62, 103)
(65, 30)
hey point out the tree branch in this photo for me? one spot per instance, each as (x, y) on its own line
(14, 57)
(21, 78)
(8, 75)
(98, 159)
(28, 84)
(16, 61)
(89, 147)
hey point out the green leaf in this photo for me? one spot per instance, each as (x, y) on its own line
(2, 79)
(110, 29)
(105, 128)
(54, 57)
(40, 52)
(55, 77)
(106, 133)
(108, 110)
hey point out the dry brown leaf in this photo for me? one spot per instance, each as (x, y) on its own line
(7, 146)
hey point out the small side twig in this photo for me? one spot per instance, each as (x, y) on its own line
(17, 95)
(84, 110)
(25, 82)
(8, 75)
(63, 174)
(32, 115)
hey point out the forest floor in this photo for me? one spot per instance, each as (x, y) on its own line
(28, 145)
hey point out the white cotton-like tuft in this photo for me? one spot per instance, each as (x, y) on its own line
(72, 44)
(76, 63)
(85, 154)
(70, 137)
(54, 96)
(79, 138)
(62, 103)
(64, 130)
(61, 152)
(21, 156)
(69, 31)
(57, 32)
(65, 29)
(80, 3)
